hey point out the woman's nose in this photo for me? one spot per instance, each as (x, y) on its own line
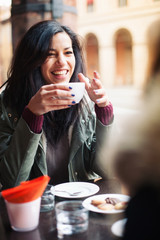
(61, 59)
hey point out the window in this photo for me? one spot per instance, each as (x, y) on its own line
(90, 5)
(122, 3)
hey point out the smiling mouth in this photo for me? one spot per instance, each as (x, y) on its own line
(58, 73)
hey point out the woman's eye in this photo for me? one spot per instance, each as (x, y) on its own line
(51, 54)
(69, 52)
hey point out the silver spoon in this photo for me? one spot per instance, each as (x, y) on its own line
(70, 194)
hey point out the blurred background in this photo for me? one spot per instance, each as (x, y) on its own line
(114, 33)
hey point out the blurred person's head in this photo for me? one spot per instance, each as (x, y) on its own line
(133, 155)
(136, 157)
(153, 44)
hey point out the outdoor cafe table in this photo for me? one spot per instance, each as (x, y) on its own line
(99, 224)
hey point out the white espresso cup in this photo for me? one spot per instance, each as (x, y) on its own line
(78, 89)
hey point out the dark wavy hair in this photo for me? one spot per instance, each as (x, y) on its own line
(25, 78)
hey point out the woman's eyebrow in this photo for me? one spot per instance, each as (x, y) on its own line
(52, 49)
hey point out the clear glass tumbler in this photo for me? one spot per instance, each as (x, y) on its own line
(47, 199)
(71, 217)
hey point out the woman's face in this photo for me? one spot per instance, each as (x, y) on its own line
(60, 63)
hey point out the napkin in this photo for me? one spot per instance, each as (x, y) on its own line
(27, 191)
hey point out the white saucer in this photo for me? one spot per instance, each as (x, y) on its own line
(82, 189)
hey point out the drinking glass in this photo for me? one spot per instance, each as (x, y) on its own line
(47, 199)
(71, 217)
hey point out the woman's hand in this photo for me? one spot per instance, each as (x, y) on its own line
(51, 97)
(95, 90)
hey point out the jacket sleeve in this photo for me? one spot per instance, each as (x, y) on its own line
(18, 147)
(87, 139)
(102, 131)
(98, 142)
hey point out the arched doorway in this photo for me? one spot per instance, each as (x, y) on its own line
(92, 54)
(123, 45)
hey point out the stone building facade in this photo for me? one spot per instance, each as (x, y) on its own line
(115, 36)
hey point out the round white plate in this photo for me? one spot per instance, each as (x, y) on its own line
(87, 202)
(118, 227)
(82, 189)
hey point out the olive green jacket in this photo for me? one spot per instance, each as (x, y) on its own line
(23, 153)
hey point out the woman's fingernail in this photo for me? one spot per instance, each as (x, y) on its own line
(98, 75)
(95, 91)
(73, 95)
(73, 102)
(69, 105)
(70, 87)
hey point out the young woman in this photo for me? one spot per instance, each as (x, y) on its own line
(41, 130)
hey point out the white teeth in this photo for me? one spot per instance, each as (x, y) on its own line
(60, 72)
